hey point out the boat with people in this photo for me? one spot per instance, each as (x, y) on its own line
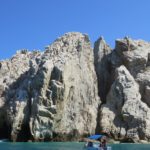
(97, 142)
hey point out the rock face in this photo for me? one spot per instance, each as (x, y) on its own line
(125, 115)
(56, 95)
(102, 67)
(126, 112)
(50, 95)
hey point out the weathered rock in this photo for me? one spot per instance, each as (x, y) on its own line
(124, 115)
(102, 67)
(134, 54)
(67, 82)
(51, 95)
(143, 78)
(15, 76)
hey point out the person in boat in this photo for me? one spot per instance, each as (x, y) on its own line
(103, 143)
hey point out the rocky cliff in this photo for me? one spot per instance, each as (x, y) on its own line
(51, 95)
(125, 113)
(70, 91)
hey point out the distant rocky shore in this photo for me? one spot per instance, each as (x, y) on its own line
(71, 90)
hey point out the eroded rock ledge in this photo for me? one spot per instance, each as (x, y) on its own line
(71, 90)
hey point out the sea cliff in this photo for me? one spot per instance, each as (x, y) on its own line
(71, 90)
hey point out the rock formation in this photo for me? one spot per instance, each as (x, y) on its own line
(125, 115)
(70, 91)
(102, 67)
(50, 95)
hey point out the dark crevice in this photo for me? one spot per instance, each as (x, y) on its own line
(5, 131)
(56, 74)
(103, 68)
(98, 129)
(24, 135)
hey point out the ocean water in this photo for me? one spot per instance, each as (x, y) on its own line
(66, 146)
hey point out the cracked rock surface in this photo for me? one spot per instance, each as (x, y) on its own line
(50, 95)
(71, 90)
(125, 112)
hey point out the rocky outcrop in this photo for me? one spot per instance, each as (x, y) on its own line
(51, 95)
(15, 74)
(56, 95)
(125, 115)
(102, 67)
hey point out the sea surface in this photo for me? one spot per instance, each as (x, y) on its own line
(66, 146)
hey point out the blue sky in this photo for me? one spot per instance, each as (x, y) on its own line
(33, 24)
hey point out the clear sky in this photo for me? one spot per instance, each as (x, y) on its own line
(33, 24)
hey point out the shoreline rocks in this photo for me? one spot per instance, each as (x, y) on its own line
(70, 91)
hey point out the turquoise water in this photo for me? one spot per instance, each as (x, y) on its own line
(66, 146)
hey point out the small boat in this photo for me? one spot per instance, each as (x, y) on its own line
(96, 147)
(93, 143)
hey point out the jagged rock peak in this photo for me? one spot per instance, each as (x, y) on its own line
(134, 54)
(101, 61)
(127, 102)
(128, 44)
(52, 94)
(101, 47)
(74, 39)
